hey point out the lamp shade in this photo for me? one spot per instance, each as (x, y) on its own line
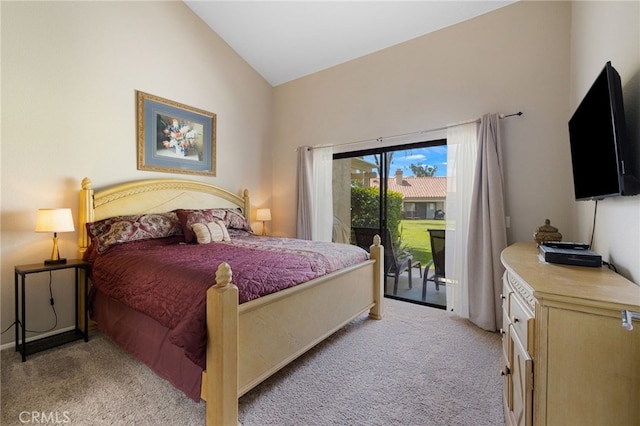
(263, 214)
(54, 220)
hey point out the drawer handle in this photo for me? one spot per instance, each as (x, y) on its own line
(502, 332)
(502, 296)
(505, 371)
(516, 319)
(628, 317)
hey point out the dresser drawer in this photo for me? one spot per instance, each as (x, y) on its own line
(505, 334)
(506, 292)
(521, 321)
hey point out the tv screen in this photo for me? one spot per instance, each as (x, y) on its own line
(599, 146)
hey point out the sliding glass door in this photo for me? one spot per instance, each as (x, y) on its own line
(398, 193)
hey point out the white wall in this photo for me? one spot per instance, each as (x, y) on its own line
(513, 59)
(69, 75)
(600, 32)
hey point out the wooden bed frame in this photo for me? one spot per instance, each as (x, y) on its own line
(245, 343)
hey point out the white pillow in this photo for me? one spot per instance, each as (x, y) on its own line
(210, 232)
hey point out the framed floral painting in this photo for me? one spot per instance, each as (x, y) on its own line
(175, 138)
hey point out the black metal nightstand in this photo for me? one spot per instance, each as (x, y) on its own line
(60, 338)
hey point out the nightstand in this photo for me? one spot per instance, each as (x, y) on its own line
(21, 273)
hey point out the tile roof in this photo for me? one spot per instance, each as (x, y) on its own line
(417, 187)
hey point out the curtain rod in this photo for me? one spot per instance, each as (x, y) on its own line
(380, 139)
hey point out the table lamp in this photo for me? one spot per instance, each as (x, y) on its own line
(263, 215)
(54, 220)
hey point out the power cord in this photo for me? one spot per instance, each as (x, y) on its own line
(53, 308)
(610, 266)
(8, 328)
(593, 228)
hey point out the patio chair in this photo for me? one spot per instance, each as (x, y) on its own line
(394, 263)
(437, 250)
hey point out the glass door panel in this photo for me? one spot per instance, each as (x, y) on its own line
(398, 193)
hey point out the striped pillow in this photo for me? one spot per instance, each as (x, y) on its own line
(210, 232)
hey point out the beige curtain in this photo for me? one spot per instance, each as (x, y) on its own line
(314, 219)
(487, 229)
(303, 193)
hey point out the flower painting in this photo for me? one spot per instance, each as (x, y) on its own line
(173, 137)
(181, 138)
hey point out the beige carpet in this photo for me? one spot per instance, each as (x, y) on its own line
(418, 366)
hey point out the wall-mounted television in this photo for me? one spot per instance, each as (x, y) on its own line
(601, 157)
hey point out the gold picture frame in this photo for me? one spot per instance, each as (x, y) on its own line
(173, 137)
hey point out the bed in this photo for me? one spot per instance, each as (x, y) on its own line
(244, 343)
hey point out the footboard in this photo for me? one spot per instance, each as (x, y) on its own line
(248, 343)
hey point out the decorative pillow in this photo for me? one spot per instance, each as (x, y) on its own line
(121, 229)
(210, 232)
(232, 218)
(189, 217)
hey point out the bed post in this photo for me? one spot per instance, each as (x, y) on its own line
(222, 350)
(377, 253)
(86, 214)
(247, 203)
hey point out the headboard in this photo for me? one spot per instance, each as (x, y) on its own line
(150, 196)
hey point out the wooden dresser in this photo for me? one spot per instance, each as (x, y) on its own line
(567, 358)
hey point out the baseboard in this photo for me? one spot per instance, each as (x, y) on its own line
(39, 336)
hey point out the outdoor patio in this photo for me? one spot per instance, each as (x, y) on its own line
(438, 298)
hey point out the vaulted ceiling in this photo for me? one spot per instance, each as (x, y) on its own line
(286, 40)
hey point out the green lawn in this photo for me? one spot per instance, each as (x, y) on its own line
(415, 237)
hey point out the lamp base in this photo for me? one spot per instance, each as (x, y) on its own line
(55, 261)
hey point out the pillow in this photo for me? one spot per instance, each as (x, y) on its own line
(121, 229)
(210, 232)
(232, 219)
(189, 217)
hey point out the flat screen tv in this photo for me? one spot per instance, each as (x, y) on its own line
(600, 152)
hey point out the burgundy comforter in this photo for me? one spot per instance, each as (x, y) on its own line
(167, 280)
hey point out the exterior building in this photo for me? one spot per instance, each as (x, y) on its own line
(422, 197)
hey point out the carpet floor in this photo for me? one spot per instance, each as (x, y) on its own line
(417, 366)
